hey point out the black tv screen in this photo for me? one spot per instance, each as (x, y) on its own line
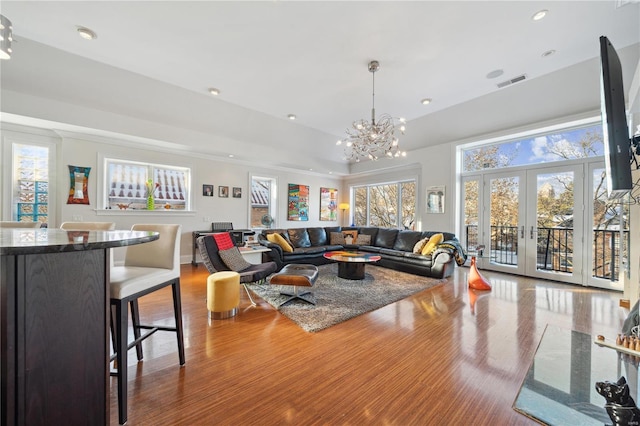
(617, 149)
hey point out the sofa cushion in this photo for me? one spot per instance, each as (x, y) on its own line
(372, 249)
(406, 240)
(234, 259)
(386, 238)
(279, 240)
(336, 238)
(317, 236)
(417, 248)
(363, 240)
(373, 231)
(392, 252)
(431, 245)
(299, 237)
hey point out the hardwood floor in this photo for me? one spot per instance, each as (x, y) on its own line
(428, 359)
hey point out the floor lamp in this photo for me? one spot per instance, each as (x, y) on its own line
(344, 207)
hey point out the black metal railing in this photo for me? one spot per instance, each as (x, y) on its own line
(554, 248)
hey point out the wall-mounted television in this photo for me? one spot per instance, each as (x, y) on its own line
(617, 147)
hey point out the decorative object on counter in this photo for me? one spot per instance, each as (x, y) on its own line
(298, 202)
(122, 206)
(151, 194)
(207, 190)
(328, 204)
(267, 221)
(476, 280)
(223, 191)
(79, 181)
(373, 139)
(237, 192)
(620, 406)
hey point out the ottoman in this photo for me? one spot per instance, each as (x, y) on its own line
(296, 275)
(223, 294)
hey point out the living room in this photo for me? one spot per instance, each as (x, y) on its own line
(89, 109)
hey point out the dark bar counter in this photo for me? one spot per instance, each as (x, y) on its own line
(54, 324)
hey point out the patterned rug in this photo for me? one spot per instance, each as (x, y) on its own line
(338, 299)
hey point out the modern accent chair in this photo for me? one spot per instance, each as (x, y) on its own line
(14, 224)
(147, 267)
(210, 253)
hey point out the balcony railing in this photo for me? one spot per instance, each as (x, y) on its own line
(554, 248)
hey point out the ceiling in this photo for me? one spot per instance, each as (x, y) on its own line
(274, 58)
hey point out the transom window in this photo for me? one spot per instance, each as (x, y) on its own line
(567, 144)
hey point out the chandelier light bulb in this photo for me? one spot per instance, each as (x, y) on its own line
(339, 142)
(349, 143)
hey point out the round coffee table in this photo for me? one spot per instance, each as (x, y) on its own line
(351, 263)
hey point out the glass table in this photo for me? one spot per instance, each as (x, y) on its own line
(559, 388)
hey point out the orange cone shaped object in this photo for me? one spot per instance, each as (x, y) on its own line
(477, 281)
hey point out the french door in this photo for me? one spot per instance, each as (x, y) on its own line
(537, 222)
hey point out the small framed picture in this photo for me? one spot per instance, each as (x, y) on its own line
(435, 199)
(223, 191)
(237, 192)
(207, 190)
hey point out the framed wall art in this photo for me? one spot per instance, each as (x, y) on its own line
(237, 192)
(328, 204)
(298, 202)
(223, 191)
(207, 190)
(78, 185)
(435, 199)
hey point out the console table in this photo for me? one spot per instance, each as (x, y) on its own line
(54, 324)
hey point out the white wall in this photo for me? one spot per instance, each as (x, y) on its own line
(88, 151)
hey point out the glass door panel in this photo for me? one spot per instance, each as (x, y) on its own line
(552, 251)
(502, 231)
(608, 232)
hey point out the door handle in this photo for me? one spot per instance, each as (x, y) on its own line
(532, 231)
(522, 231)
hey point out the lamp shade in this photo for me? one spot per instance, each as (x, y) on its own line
(343, 206)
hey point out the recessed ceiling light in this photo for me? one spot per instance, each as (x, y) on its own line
(548, 53)
(291, 116)
(231, 155)
(539, 14)
(426, 101)
(86, 33)
(495, 73)
(214, 91)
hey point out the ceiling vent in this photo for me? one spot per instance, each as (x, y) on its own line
(512, 81)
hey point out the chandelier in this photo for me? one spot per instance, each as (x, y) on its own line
(5, 38)
(373, 139)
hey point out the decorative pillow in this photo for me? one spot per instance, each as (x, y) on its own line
(353, 233)
(336, 238)
(279, 240)
(233, 259)
(223, 240)
(417, 249)
(431, 245)
(363, 240)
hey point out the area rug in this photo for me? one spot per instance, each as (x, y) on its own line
(338, 299)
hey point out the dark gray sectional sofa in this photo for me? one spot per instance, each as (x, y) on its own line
(394, 246)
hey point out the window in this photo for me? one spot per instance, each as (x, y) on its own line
(142, 186)
(567, 144)
(263, 202)
(389, 205)
(30, 183)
